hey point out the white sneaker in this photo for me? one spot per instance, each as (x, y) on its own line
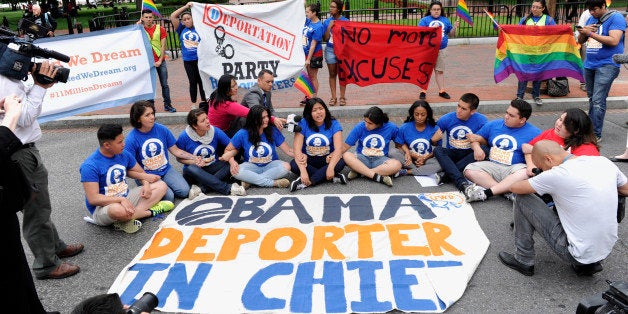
(195, 191)
(237, 190)
(352, 175)
(474, 193)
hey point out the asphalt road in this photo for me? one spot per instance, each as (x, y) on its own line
(494, 288)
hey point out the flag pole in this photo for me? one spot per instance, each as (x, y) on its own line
(492, 19)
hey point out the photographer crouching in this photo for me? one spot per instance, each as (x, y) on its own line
(39, 231)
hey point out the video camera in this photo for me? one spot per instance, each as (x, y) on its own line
(16, 55)
(613, 301)
(146, 303)
(292, 123)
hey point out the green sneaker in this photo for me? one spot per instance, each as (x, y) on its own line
(131, 226)
(162, 207)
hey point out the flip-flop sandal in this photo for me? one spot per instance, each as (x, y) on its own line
(343, 101)
(333, 101)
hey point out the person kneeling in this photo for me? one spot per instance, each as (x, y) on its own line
(107, 195)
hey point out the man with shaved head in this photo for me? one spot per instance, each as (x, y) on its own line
(583, 228)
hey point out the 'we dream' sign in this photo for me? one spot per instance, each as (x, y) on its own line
(309, 254)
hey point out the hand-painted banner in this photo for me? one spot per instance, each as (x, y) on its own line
(371, 53)
(309, 254)
(241, 40)
(536, 53)
(107, 69)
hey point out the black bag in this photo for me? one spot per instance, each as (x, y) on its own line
(316, 62)
(15, 189)
(558, 87)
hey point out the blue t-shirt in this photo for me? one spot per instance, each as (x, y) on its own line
(151, 149)
(262, 154)
(330, 42)
(534, 20)
(207, 151)
(457, 129)
(313, 31)
(506, 142)
(418, 142)
(110, 173)
(319, 143)
(189, 39)
(372, 143)
(441, 21)
(599, 55)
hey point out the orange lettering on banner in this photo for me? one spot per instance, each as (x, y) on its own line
(397, 238)
(436, 238)
(268, 247)
(322, 243)
(158, 248)
(235, 238)
(197, 240)
(365, 241)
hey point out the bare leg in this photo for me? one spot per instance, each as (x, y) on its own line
(333, 72)
(480, 178)
(440, 80)
(313, 74)
(503, 186)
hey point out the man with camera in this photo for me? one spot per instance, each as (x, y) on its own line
(39, 231)
(44, 20)
(583, 229)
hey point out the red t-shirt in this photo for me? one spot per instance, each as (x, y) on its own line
(162, 34)
(587, 149)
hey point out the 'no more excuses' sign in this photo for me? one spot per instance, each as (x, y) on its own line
(309, 254)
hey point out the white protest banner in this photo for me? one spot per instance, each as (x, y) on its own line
(309, 254)
(241, 40)
(107, 69)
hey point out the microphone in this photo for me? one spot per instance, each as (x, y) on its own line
(620, 58)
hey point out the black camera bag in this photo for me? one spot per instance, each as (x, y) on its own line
(13, 64)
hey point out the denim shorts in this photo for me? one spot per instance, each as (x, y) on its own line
(372, 161)
(330, 56)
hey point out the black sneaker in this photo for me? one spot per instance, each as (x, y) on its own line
(170, 108)
(297, 185)
(340, 178)
(510, 261)
(588, 269)
(444, 95)
(422, 96)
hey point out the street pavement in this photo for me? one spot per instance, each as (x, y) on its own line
(493, 288)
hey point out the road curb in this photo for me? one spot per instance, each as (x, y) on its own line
(396, 110)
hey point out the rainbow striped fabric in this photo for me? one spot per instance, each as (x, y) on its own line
(536, 53)
(608, 3)
(462, 11)
(304, 84)
(495, 25)
(150, 5)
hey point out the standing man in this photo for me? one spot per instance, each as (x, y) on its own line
(45, 20)
(39, 231)
(457, 152)
(157, 36)
(583, 229)
(259, 94)
(604, 37)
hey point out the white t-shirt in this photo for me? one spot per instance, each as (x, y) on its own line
(584, 190)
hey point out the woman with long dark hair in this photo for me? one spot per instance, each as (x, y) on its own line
(257, 142)
(312, 37)
(317, 147)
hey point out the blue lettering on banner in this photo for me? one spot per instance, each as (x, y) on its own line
(368, 287)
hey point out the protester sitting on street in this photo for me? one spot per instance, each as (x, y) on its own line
(312, 38)
(415, 138)
(260, 92)
(317, 147)
(200, 138)
(437, 18)
(583, 229)
(189, 38)
(223, 110)
(149, 143)
(573, 131)
(506, 164)
(373, 136)
(257, 143)
(335, 12)
(456, 153)
(539, 16)
(108, 197)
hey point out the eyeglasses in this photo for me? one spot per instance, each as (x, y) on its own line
(537, 7)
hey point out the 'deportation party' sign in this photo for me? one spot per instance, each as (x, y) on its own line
(309, 254)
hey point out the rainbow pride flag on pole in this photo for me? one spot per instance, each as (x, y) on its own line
(462, 11)
(304, 84)
(536, 53)
(150, 5)
(490, 15)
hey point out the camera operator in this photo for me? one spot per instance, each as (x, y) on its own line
(44, 19)
(39, 231)
(22, 295)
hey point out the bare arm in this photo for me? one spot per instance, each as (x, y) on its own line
(522, 187)
(174, 17)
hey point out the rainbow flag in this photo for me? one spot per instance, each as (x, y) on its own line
(495, 25)
(150, 5)
(536, 53)
(608, 3)
(304, 84)
(462, 11)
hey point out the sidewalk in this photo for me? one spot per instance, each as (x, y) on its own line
(469, 68)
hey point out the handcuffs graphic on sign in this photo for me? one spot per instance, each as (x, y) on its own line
(226, 51)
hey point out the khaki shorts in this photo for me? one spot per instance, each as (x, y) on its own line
(440, 62)
(101, 216)
(497, 171)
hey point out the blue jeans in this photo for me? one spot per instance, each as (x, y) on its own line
(209, 178)
(536, 89)
(317, 168)
(177, 186)
(162, 73)
(599, 83)
(261, 175)
(532, 214)
(453, 161)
